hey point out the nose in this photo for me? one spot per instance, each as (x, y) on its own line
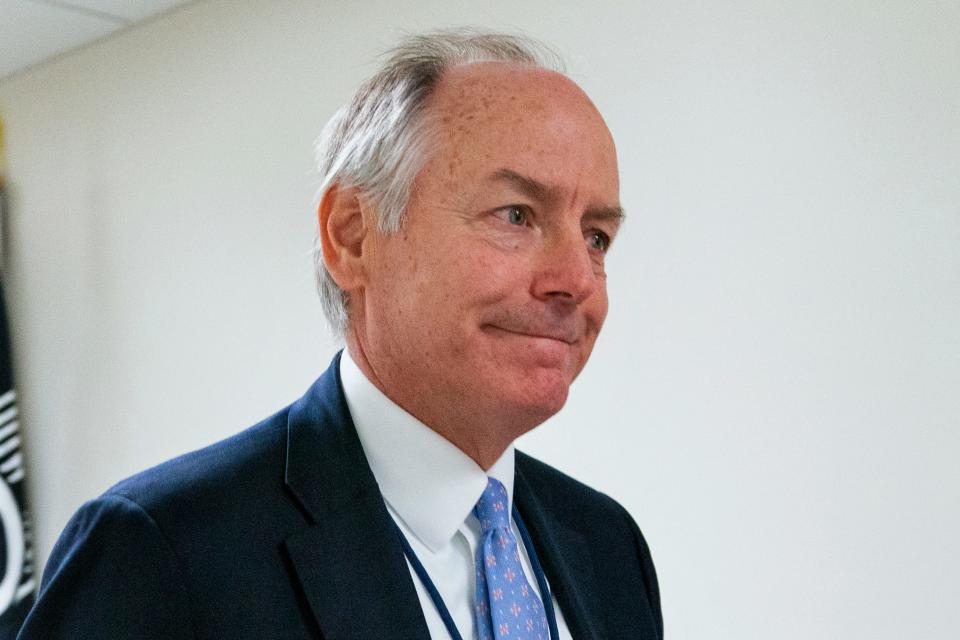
(566, 272)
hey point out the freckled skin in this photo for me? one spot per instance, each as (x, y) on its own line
(476, 325)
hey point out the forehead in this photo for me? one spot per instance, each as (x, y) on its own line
(499, 115)
(468, 90)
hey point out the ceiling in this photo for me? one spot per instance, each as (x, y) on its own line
(32, 31)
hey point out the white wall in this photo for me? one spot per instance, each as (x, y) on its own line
(776, 395)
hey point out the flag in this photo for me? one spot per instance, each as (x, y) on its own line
(17, 585)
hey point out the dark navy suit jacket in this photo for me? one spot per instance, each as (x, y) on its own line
(281, 532)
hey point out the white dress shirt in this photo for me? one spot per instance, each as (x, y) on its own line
(430, 488)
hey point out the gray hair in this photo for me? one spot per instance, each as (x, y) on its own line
(380, 140)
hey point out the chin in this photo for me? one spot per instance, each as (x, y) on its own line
(541, 400)
(524, 393)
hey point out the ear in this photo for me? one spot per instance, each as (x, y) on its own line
(342, 230)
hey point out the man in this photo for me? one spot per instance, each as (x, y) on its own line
(470, 196)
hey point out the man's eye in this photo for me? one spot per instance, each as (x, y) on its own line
(598, 241)
(515, 215)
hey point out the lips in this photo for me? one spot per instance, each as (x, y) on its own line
(568, 335)
(567, 330)
(537, 322)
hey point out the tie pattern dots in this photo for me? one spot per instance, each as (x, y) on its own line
(506, 604)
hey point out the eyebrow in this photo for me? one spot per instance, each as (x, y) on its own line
(528, 186)
(539, 191)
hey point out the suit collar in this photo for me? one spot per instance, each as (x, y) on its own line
(326, 468)
(348, 561)
(566, 561)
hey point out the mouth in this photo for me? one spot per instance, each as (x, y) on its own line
(566, 337)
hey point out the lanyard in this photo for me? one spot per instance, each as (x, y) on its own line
(438, 600)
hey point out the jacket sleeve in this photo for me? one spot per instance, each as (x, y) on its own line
(648, 571)
(112, 574)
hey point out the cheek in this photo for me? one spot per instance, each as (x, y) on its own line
(599, 305)
(477, 274)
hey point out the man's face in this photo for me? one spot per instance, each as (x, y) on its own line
(487, 303)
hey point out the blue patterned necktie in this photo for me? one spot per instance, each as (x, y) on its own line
(506, 606)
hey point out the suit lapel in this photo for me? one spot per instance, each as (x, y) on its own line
(356, 584)
(348, 561)
(565, 557)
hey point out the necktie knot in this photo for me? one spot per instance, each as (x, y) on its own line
(493, 507)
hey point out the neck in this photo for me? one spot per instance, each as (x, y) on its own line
(460, 421)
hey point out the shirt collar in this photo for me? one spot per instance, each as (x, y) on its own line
(430, 483)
